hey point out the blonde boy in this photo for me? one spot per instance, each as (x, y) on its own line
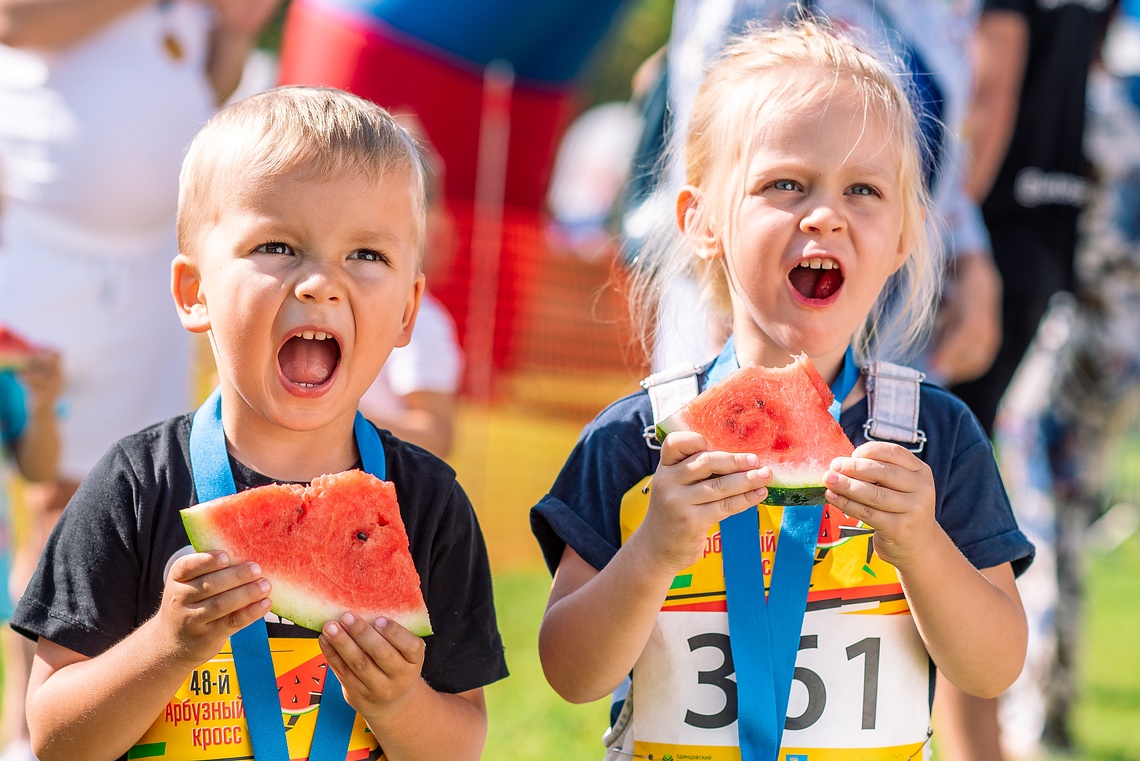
(301, 224)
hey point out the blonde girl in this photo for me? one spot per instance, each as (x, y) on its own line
(803, 220)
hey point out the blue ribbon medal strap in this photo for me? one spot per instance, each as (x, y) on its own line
(213, 477)
(764, 633)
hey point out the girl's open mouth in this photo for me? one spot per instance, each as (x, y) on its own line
(816, 279)
(309, 358)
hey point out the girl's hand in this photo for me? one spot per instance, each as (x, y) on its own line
(693, 489)
(378, 664)
(206, 599)
(891, 490)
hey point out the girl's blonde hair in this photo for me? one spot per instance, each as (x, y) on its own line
(321, 131)
(762, 74)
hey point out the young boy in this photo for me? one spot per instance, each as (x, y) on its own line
(301, 223)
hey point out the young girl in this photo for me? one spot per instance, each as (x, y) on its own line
(803, 221)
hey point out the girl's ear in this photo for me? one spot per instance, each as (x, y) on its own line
(694, 223)
(908, 241)
(186, 286)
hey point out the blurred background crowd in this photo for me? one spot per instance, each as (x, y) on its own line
(548, 129)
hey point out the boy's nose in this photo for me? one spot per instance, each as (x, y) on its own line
(319, 283)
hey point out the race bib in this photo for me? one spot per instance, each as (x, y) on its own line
(857, 635)
(206, 719)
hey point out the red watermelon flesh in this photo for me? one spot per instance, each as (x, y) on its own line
(15, 350)
(780, 414)
(335, 545)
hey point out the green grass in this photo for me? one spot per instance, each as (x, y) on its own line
(1108, 712)
(527, 720)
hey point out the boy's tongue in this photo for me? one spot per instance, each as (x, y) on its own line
(307, 360)
(815, 283)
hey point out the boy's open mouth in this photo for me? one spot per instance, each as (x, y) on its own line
(816, 278)
(309, 358)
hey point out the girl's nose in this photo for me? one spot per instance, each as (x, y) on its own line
(822, 219)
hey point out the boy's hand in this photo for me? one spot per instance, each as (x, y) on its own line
(207, 599)
(891, 490)
(693, 489)
(378, 664)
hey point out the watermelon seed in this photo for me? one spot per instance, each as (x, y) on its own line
(362, 536)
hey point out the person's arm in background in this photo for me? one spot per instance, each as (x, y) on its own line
(1001, 48)
(427, 420)
(38, 446)
(56, 24)
(235, 34)
(968, 329)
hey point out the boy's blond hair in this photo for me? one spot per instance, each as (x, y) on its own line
(323, 132)
(766, 72)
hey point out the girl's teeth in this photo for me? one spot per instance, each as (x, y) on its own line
(818, 264)
(312, 335)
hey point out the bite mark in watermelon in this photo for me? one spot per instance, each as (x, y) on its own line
(335, 545)
(780, 414)
(15, 350)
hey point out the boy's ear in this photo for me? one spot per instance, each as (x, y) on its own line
(694, 223)
(186, 286)
(411, 309)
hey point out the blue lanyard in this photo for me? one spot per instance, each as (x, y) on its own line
(764, 634)
(213, 477)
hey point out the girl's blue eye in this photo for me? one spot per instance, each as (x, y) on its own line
(274, 248)
(863, 190)
(785, 185)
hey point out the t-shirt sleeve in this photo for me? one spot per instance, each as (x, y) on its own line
(85, 592)
(972, 506)
(583, 508)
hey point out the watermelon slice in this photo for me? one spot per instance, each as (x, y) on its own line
(15, 350)
(335, 545)
(778, 413)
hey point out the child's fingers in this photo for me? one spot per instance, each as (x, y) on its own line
(341, 652)
(360, 646)
(409, 647)
(733, 488)
(246, 601)
(189, 567)
(681, 445)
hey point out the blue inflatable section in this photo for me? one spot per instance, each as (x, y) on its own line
(544, 40)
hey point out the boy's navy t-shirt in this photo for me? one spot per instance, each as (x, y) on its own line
(102, 572)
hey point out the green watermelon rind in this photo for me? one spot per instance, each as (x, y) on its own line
(292, 602)
(789, 487)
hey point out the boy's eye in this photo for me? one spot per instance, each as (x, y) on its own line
(368, 255)
(274, 248)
